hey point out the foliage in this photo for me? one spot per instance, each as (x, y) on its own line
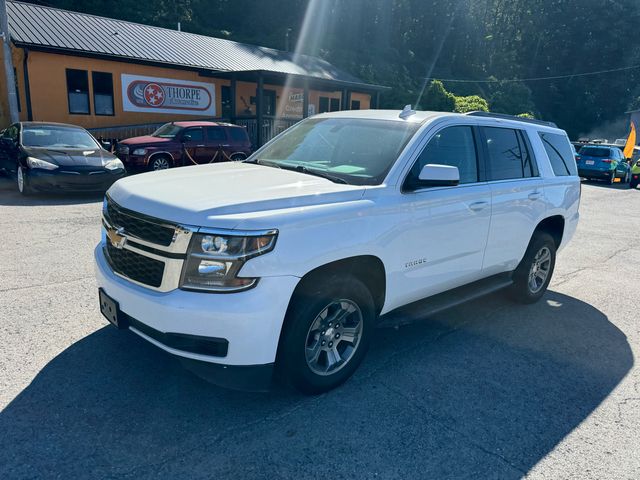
(471, 103)
(526, 115)
(400, 42)
(437, 98)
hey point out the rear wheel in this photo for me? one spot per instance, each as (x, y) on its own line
(532, 277)
(327, 333)
(238, 157)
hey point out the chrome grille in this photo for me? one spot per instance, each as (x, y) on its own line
(134, 266)
(148, 251)
(136, 226)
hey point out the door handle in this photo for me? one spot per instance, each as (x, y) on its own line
(535, 195)
(477, 206)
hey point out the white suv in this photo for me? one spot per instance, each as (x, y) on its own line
(287, 261)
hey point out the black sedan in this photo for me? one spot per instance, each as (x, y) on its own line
(56, 157)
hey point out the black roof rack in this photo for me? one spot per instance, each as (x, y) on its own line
(512, 117)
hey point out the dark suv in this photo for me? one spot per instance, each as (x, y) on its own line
(185, 143)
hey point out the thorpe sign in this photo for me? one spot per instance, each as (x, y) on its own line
(166, 95)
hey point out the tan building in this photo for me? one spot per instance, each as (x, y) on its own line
(120, 79)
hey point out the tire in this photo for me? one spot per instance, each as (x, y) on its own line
(306, 357)
(633, 184)
(22, 182)
(536, 268)
(238, 157)
(159, 162)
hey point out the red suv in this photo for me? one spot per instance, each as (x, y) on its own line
(178, 144)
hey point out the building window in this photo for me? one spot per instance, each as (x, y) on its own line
(78, 91)
(355, 104)
(335, 104)
(102, 93)
(225, 100)
(323, 104)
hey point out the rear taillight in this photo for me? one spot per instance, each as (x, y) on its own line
(607, 161)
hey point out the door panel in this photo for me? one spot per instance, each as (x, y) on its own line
(196, 146)
(439, 242)
(218, 143)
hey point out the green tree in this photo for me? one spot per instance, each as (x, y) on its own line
(471, 103)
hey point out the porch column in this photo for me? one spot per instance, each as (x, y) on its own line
(233, 90)
(345, 99)
(259, 109)
(377, 105)
(305, 100)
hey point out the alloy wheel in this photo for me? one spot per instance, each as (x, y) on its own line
(333, 337)
(539, 271)
(160, 164)
(20, 177)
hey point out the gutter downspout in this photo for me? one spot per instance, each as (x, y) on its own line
(27, 89)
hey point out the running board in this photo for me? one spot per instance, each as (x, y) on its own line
(443, 301)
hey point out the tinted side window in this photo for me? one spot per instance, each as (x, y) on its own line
(453, 146)
(194, 133)
(238, 134)
(216, 133)
(506, 159)
(559, 153)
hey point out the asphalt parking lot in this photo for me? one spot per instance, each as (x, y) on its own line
(486, 390)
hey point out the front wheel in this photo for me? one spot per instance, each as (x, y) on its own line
(532, 277)
(327, 333)
(159, 162)
(22, 182)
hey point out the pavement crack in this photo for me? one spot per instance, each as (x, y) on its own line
(26, 287)
(420, 407)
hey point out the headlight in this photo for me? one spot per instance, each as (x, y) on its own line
(214, 260)
(139, 151)
(114, 164)
(37, 163)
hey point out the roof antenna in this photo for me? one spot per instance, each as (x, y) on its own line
(406, 112)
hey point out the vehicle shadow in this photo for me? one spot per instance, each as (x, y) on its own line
(9, 196)
(485, 391)
(603, 184)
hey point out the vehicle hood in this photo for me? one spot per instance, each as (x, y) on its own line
(71, 157)
(145, 140)
(218, 195)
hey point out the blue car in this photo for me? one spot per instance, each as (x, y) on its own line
(599, 162)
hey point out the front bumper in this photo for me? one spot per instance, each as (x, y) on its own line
(70, 181)
(249, 321)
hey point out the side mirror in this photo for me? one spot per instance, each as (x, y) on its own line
(186, 138)
(433, 175)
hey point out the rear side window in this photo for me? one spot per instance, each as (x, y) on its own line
(509, 156)
(216, 133)
(238, 134)
(560, 154)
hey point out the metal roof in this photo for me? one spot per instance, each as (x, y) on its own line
(51, 28)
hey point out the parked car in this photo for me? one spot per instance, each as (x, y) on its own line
(345, 221)
(184, 143)
(57, 157)
(635, 174)
(598, 162)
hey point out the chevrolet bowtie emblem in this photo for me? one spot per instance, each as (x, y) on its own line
(116, 237)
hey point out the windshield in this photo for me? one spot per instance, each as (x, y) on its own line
(356, 151)
(54, 136)
(168, 130)
(595, 152)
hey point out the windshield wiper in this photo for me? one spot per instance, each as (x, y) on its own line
(317, 173)
(257, 161)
